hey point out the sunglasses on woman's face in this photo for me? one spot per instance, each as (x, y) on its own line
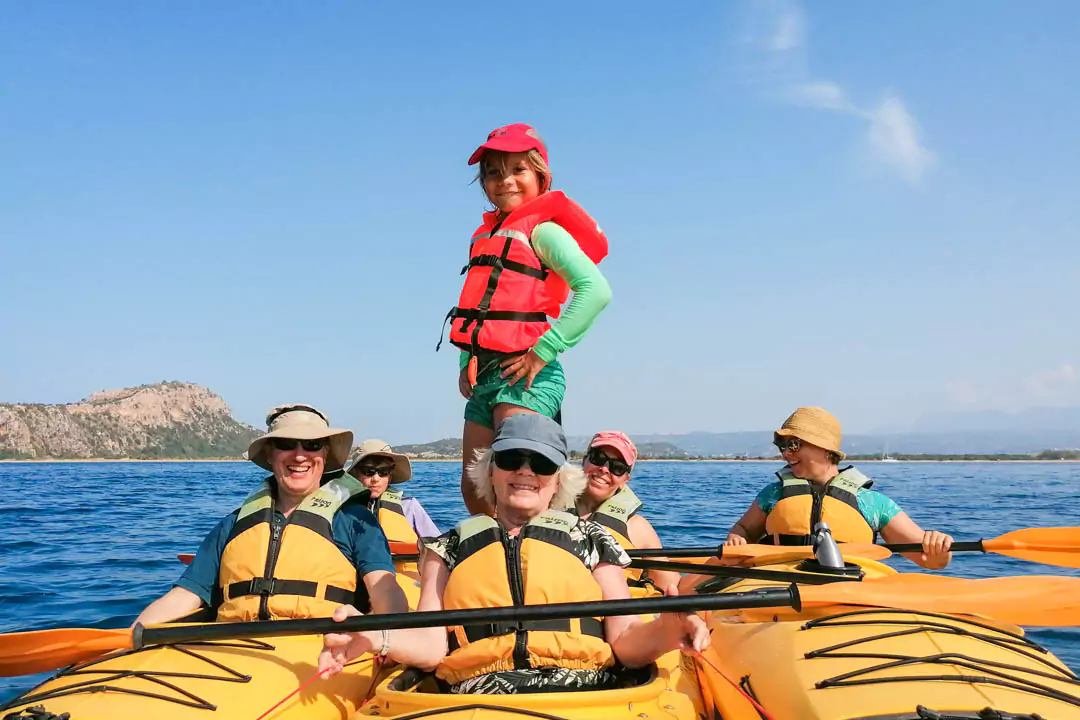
(617, 467)
(372, 471)
(287, 444)
(511, 460)
(792, 445)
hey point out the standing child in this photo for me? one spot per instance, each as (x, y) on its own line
(533, 248)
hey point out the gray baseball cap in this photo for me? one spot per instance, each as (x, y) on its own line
(530, 431)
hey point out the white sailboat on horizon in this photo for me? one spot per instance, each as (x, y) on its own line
(885, 457)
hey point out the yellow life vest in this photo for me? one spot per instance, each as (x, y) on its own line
(804, 503)
(269, 571)
(614, 514)
(539, 568)
(391, 516)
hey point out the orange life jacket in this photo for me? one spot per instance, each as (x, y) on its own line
(298, 571)
(803, 504)
(390, 513)
(542, 567)
(614, 514)
(509, 294)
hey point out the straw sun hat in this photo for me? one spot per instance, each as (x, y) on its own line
(814, 425)
(378, 448)
(301, 422)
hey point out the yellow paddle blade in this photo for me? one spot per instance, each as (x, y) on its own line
(1051, 546)
(1039, 600)
(26, 653)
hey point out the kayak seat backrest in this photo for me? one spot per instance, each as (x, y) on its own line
(409, 679)
(633, 677)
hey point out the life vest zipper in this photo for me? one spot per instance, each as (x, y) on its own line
(276, 531)
(512, 550)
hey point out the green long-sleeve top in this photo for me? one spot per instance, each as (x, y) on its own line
(559, 251)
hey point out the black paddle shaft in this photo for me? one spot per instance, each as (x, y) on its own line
(806, 578)
(691, 552)
(969, 546)
(161, 635)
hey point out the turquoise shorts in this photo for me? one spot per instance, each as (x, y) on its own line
(544, 397)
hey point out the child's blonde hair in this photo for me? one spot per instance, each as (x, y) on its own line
(498, 158)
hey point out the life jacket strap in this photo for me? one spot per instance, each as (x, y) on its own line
(540, 273)
(479, 316)
(589, 626)
(277, 586)
(795, 540)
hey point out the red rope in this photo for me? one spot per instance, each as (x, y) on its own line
(282, 701)
(757, 706)
(371, 690)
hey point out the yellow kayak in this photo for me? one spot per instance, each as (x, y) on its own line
(825, 663)
(844, 662)
(210, 680)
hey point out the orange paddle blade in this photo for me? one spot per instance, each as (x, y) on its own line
(1038, 600)
(186, 558)
(26, 653)
(1050, 546)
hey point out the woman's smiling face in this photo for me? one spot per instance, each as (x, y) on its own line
(523, 490)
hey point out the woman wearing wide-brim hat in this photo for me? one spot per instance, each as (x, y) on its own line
(328, 547)
(813, 488)
(402, 518)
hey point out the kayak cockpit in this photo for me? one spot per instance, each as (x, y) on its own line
(661, 690)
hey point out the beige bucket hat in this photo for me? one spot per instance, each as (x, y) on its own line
(368, 448)
(301, 422)
(814, 425)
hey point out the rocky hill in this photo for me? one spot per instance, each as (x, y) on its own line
(163, 420)
(440, 449)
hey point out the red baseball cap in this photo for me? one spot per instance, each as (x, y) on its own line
(617, 441)
(518, 137)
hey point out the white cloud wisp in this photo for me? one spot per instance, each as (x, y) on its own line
(777, 38)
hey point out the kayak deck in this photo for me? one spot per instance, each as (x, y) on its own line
(216, 679)
(845, 663)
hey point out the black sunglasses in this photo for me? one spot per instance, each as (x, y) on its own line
(371, 471)
(287, 444)
(511, 460)
(792, 445)
(617, 467)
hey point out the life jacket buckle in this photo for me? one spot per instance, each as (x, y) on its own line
(262, 586)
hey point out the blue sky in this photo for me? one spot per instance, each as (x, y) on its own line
(871, 207)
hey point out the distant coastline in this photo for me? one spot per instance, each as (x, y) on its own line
(11, 461)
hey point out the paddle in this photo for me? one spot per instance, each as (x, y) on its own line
(741, 572)
(737, 552)
(1044, 601)
(1033, 600)
(38, 651)
(1058, 546)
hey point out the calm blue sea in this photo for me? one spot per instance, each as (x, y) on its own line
(91, 544)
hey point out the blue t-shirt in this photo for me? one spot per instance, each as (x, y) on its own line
(355, 530)
(878, 509)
